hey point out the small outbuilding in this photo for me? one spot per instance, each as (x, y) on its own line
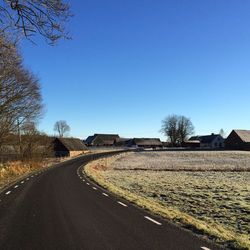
(145, 143)
(68, 147)
(102, 140)
(238, 140)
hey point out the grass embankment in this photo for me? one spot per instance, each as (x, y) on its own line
(10, 171)
(210, 203)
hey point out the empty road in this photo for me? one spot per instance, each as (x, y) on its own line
(59, 208)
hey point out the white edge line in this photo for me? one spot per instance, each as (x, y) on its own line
(152, 220)
(22, 181)
(105, 194)
(122, 204)
(8, 192)
(94, 188)
(16, 186)
(87, 183)
(205, 248)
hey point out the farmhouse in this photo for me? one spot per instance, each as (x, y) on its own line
(213, 141)
(238, 140)
(102, 140)
(68, 147)
(145, 143)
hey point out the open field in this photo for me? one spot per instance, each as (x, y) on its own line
(186, 160)
(214, 202)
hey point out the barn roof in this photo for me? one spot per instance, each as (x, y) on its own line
(147, 141)
(73, 144)
(243, 134)
(102, 138)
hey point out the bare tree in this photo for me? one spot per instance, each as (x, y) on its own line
(170, 128)
(61, 127)
(20, 95)
(177, 128)
(46, 17)
(185, 128)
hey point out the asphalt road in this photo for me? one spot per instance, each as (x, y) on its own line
(60, 208)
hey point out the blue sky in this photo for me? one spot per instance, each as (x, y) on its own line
(131, 63)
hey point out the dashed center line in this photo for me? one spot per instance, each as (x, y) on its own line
(22, 182)
(105, 194)
(83, 180)
(87, 183)
(205, 248)
(16, 186)
(94, 188)
(122, 204)
(152, 220)
(8, 192)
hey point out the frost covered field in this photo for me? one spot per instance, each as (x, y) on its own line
(211, 186)
(186, 160)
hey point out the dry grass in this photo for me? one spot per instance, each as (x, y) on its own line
(215, 203)
(10, 171)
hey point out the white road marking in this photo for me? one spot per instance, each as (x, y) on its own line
(22, 182)
(27, 179)
(205, 248)
(80, 177)
(83, 180)
(31, 176)
(122, 204)
(8, 192)
(105, 194)
(87, 183)
(152, 220)
(94, 188)
(16, 186)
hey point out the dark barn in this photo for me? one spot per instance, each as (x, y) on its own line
(68, 147)
(238, 140)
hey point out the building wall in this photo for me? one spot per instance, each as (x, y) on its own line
(218, 142)
(234, 142)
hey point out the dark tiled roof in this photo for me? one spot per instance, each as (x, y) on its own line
(73, 144)
(204, 138)
(243, 134)
(89, 139)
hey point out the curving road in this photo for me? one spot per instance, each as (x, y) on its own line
(59, 208)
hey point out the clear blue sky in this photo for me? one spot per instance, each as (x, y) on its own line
(131, 63)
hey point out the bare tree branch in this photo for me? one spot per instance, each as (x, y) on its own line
(45, 17)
